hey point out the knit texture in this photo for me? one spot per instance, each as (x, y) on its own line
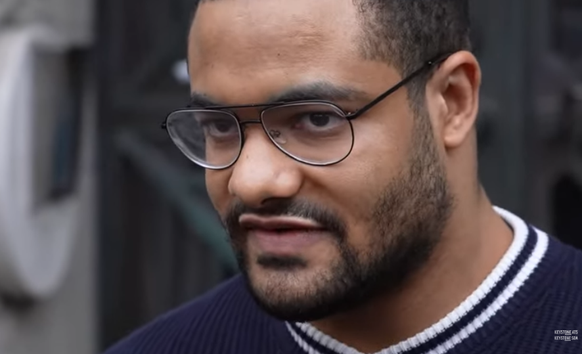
(535, 291)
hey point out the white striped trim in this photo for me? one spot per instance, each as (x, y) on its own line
(520, 230)
(525, 272)
(303, 344)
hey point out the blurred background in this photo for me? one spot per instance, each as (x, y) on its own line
(104, 224)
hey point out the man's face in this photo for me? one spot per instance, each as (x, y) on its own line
(316, 241)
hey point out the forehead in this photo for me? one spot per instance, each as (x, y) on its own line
(243, 51)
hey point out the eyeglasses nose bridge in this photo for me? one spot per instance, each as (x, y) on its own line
(253, 121)
(243, 125)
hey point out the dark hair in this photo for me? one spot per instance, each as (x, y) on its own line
(407, 33)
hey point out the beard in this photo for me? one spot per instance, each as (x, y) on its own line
(406, 224)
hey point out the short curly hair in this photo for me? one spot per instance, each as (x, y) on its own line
(407, 33)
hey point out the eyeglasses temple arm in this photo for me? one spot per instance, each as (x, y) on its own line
(396, 87)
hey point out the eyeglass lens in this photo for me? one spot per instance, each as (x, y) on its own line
(314, 133)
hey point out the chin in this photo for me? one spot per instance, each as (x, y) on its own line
(299, 294)
(291, 307)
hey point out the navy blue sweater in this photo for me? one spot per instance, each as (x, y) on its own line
(531, 303)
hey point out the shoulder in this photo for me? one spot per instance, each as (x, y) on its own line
(550, 320)
(568, 261)
(207, 322)
(561, 285)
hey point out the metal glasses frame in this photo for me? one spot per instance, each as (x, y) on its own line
(350, 116)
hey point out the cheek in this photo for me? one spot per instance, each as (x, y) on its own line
(217, 188)
(382, 139)
(380, 155)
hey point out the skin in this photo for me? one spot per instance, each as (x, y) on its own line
(243, 52)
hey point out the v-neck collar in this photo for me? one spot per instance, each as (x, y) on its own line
(496, 292)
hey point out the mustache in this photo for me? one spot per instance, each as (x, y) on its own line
(286, 207)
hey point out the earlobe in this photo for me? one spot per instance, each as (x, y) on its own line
(461, 76)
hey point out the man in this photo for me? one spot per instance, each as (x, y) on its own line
(339, 142)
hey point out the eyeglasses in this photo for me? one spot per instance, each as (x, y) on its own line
(317, 133)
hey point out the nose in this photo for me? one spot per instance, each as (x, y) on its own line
(262, 172)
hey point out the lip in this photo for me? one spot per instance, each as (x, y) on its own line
(282, 235)
(255, 222)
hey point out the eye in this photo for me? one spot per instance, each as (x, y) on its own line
(220, 128)
(319, 121)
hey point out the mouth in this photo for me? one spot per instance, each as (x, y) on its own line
(283, 235)
(279, 224)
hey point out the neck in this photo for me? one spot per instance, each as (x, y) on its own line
(473, 243)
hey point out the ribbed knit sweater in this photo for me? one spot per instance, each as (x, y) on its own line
(531, 303)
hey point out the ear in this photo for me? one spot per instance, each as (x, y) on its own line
(454, 92)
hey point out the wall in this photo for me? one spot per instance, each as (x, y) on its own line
(66, 323)
(72, 19)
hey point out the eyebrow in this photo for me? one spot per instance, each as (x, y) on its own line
(319, 91)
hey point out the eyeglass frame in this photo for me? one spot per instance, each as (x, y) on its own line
(349, 116)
